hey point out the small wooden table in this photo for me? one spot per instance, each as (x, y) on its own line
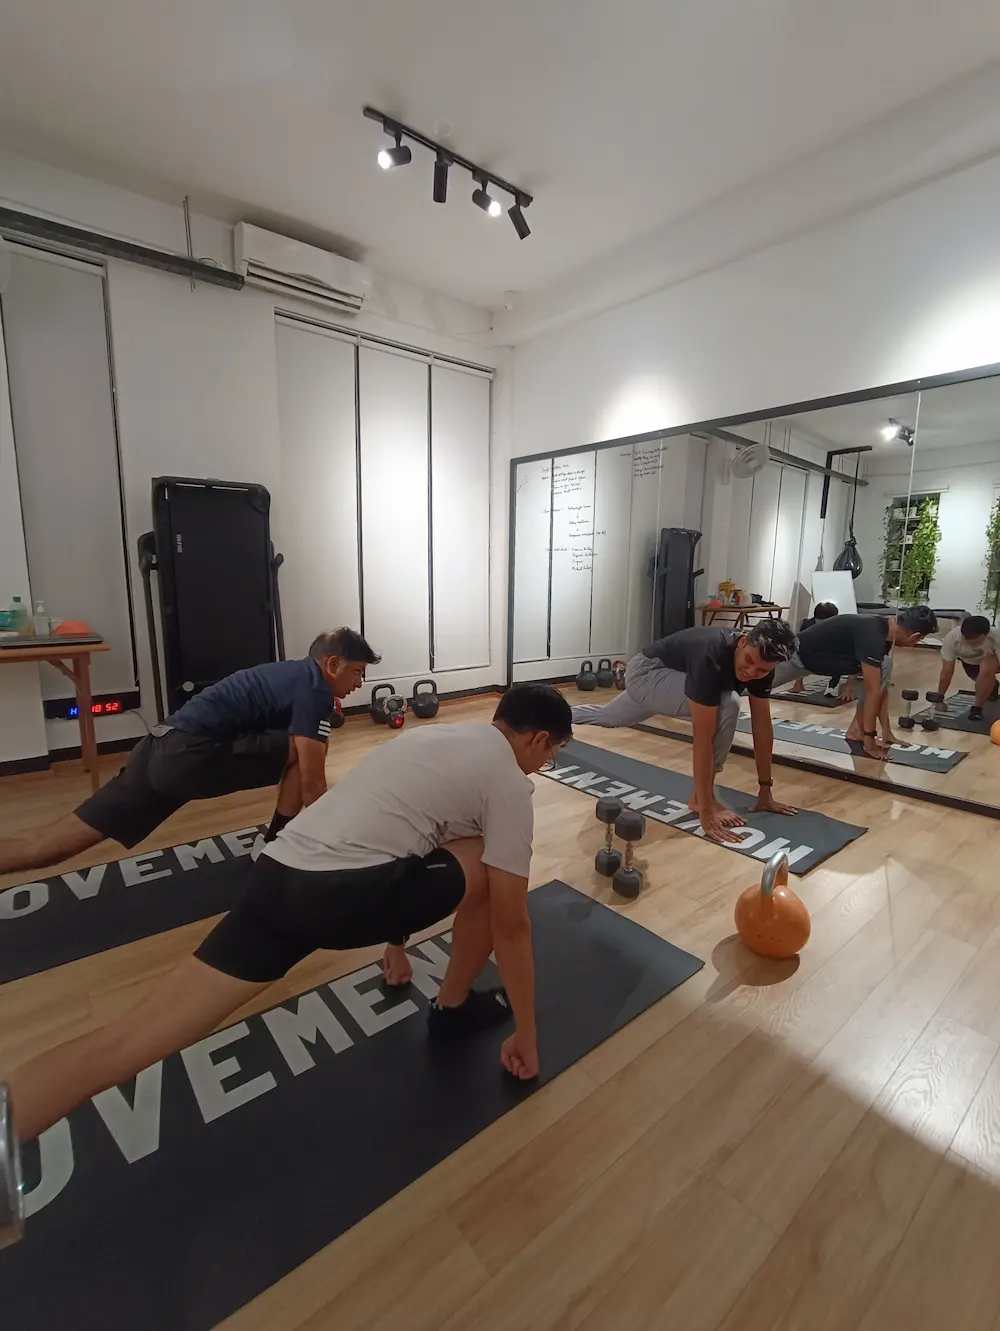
(73, 659)
(742, 613)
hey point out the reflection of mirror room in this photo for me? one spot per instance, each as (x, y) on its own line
(868, 506)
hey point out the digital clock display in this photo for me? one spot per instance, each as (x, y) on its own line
(96, 709)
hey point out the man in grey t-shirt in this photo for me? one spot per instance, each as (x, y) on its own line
(976, 643)
(436, 821)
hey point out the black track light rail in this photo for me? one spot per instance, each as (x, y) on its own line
(479, 173)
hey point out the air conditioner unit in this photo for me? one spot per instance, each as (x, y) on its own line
(280, 264)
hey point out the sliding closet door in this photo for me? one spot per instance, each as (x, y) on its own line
(532, 551)
(67, 457)
(394, 505)
(460, 517)
(572, 554)
(612, 525)
(315, 518)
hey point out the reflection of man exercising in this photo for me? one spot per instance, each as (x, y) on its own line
(860, 646)
(976, 643)
(824, 610)
(697, 674)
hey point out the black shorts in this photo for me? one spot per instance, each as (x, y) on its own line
(166, 770)
(971, 670)
(288, 913)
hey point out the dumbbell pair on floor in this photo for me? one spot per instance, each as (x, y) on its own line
(907, 722)
(630, 827)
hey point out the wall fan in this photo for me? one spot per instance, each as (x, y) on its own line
(749, 460)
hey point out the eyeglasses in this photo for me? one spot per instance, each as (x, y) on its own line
(554, 751)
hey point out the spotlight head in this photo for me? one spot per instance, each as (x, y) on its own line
(441, 165)
(398, 156)
(891, 431)
(517, 217)
(482, 199)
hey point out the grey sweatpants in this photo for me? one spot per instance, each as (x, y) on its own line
(651, 689)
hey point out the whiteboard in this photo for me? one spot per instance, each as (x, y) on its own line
(837, 587)
(532, 524)
(612, 523)
(572, 554)
(460, 509)
(315, 514)
(394, 506)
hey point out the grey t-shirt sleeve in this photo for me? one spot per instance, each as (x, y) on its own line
(508, 826)
(949, 645)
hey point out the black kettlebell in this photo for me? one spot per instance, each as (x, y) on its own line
(605, 674)
(426, 704)
(378, 710)
(337, 716)
(586, 679)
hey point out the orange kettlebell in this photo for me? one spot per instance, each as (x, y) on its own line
(995, 732)
(770, 919)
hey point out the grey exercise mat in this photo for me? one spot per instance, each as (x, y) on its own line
(927, 757)
(172, 1205)
(813, 694)
(72, 915)
(808, 838)
(957, 715)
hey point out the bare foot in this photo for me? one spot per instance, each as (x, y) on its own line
(854, 733)
(396, 968)
(798, 687)
(889, 738)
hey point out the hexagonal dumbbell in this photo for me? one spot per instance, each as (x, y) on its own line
(608, 860)
(928, 722)
(630, 826)
(906, 721)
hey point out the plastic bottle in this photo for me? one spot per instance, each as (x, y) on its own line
(20, 615)
(42, 623)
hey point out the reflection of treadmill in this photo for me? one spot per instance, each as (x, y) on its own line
(673, 572)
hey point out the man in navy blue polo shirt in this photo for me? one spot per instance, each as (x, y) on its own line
(264, 726)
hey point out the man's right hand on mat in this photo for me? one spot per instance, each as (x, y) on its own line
(519, 1055)
(717, 822)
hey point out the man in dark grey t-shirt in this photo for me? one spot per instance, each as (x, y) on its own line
(698, 674)
(860, 647)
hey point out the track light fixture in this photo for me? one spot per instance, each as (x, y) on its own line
(444, 159)
(398, 156)
(482, 198)
(895, 430)
(441, 165)
(517, 217)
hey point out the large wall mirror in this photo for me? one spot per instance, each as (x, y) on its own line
(871, 505)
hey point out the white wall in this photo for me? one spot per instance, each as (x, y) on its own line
(196, 386)
(908, 288)
(968, 480)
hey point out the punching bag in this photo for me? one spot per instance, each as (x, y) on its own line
(849, 560)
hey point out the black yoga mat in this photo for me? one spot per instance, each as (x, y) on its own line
(957, 715)
(812, 695)
(254, 1149)
(927, 757)
(72, 915)
(661, 794)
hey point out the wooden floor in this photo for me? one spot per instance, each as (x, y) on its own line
(976, 777)
(811, 1146)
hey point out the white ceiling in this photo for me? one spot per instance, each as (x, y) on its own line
(617, 114)
(956, 416)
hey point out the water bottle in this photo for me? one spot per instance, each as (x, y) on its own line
(42, 623)
(20, 616)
